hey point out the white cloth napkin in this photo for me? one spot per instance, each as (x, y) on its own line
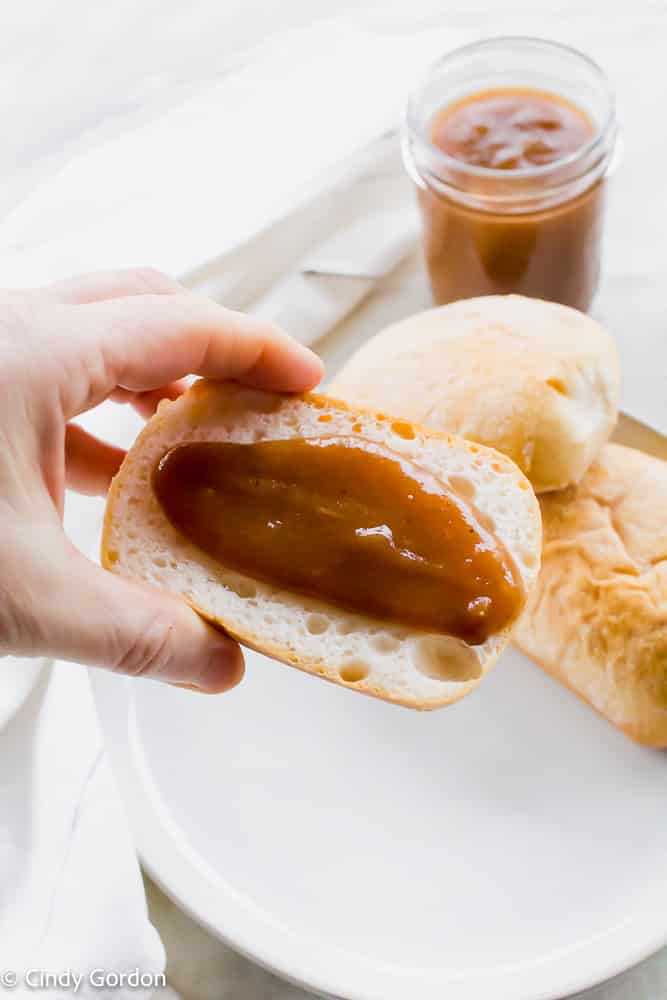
(377, 228)
(177, 194)
(72, 897)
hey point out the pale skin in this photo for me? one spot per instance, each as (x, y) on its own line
(129, 336)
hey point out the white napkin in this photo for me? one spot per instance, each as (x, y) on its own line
(176, 194)
(71, 897)
(377, 228)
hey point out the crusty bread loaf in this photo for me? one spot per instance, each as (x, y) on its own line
(597, 619)
(376, 657)
(536, 380)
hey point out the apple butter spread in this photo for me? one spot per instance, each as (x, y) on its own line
(510, 129)
(347, 521)
(511, 178)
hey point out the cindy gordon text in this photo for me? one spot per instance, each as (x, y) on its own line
(70, 981)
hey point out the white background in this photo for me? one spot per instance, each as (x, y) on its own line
(73, 73)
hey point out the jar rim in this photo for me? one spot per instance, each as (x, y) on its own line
(606, 128)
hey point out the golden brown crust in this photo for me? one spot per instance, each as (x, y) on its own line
(535, 380)
(597, 620)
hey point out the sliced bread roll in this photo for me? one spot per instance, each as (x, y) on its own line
(536, 380)
(378, 657)
(597, 620)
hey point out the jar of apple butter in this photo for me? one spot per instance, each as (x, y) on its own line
(509, 142)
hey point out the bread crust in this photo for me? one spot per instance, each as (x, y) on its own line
(216, 410)
(536, 380)
(597, 620)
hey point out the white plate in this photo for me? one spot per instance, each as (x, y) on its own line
(510, 846)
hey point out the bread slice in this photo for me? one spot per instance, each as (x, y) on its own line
(390, 661)
(536, 380)
(597, 620)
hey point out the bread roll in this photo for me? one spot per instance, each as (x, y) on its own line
(536, 380)
(597, 620)
(376, 657)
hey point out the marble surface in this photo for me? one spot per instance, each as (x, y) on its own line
(117, 65)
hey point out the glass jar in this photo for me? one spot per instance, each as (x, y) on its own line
(535, 230)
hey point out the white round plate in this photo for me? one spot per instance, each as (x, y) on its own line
(510, 846)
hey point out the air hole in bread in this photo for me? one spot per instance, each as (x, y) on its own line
(446, 659)
(159, 562)
(403, 430)
(132, 552)
(317, 624)
(345, 626)
(385, 643)
(464, 487)
(244, 588)
(324, 418)
(354, 671)
(529, 559)
(112, 556)
(558, 385)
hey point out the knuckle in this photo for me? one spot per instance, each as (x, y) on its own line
(24, 347)
(150, 652)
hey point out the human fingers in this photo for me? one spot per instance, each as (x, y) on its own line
(144, 342)
(146, 403)
(68, 607)
(96, 286)
(90, 464)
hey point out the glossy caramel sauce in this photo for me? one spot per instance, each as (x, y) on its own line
(549, 253)
(511, 128)
(347, 521)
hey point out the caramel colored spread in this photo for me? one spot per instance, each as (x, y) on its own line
(510, 129)
(551, 253)
(347, 521)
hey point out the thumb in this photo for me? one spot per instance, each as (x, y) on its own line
(98, 618)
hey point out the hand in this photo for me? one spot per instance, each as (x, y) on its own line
(126, 336)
